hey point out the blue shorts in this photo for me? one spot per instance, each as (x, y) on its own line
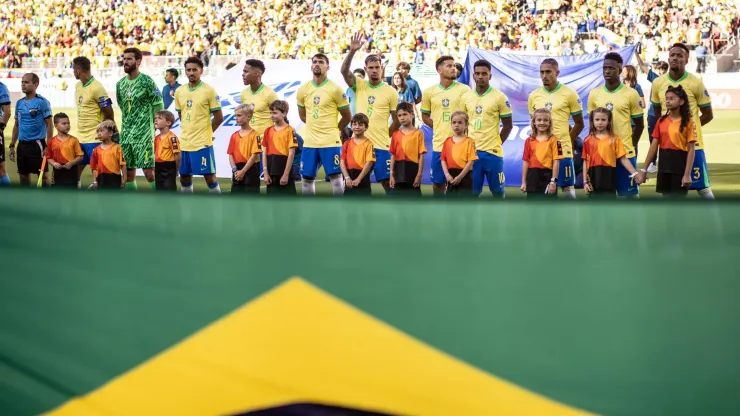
(200, 162)
(491, 167)
(327, 156)
(87, 149)
(566, 173)
(626, 186)
(436, 174)
(699, 172)
(382, 168)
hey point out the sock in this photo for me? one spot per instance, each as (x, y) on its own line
(569, 192)
(499, 195)
(186, 187)
(131, 186)
(337, 185)
(214, 188)
(153, 185)
(5, 180)
(705, 193)
(308, 186)
(79, 183)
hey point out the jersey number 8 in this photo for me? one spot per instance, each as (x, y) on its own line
(315, 113)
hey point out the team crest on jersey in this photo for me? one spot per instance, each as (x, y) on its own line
(548, 106)
(190, 103)
(609, 106)
(478, 109)
(316, 100)
(445, 103)
(129, 94)
(371, 100)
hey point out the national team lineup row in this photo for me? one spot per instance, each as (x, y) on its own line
(469, 127)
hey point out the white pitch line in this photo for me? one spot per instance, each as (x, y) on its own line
(723, 133)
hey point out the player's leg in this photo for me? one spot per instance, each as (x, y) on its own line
(132, 163)
(186, 172)
(567, 177)
(479, 173)
(330, 160)
(626, 185)
(309, 169)
(700, 176)
(495, 175)
(651, 126)
(23, 163)
(207, 168)
(439, 182)
(147, 165)
(87, 151)
(382, 169)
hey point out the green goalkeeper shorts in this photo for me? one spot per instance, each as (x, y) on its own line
(138, 155)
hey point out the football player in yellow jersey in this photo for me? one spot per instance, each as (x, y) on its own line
(563, 103)
(626, 106)
(437, 105)
(195, 103)
(93, 106)
(699, 101)
(378, 101)
(259, 95)
(487, 107)
(325, 101)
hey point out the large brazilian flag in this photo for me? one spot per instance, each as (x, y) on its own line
(126, 304)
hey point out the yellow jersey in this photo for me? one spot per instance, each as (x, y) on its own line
(261, 100)
(439, 103)
(195, 107)
(696, 91)
(563, 103)
(323, 104)
(92, 98)
(485, 112)
(377, 103)
(625, 104)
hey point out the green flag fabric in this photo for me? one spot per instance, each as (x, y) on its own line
(135, 304)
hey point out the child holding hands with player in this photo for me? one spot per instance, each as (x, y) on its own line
(64, 153)
(539, 167)
(675, 137)
(357, 158)
(601, 152)
(107, 163)
(407, 154)
(244, 150)
(278, 147)
(458, 155)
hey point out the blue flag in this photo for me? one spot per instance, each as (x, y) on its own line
(517, 75)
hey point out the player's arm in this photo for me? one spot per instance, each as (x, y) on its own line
(637, 130)
(13, 138)
(354, 45)
(394, 124)
(218, 118)
(577, 127)
(5, 109)
(49, 129)
(346, 117)
(644, 68)
(507, 125)
(426, 110)
(707, 114)
(302, 114)
(155, 97)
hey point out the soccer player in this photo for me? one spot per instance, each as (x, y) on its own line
(699, 101)
(278, 151)
(107, 161)
(33, 128)
(93, 106)
(358, 158)
(166, 152)
(563, 103)
(326, 102)
(626, 106)
(378, 101)
(63, 154)
(196, 103)
(257, 94)
(407, 153)
(487, 107)
(4, 118)
(139, 100)
(168, 91)
(437, 105)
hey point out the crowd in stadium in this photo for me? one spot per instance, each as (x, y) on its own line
(412, 30)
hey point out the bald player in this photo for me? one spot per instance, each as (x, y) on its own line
(563, 103)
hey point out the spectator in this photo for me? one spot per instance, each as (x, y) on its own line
(701, 58)
(168, 92)
(405, 95)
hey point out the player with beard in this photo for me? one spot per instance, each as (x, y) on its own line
(139, 100)
(320, 103)
(378, 101)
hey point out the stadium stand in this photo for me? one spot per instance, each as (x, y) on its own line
(50, 33)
